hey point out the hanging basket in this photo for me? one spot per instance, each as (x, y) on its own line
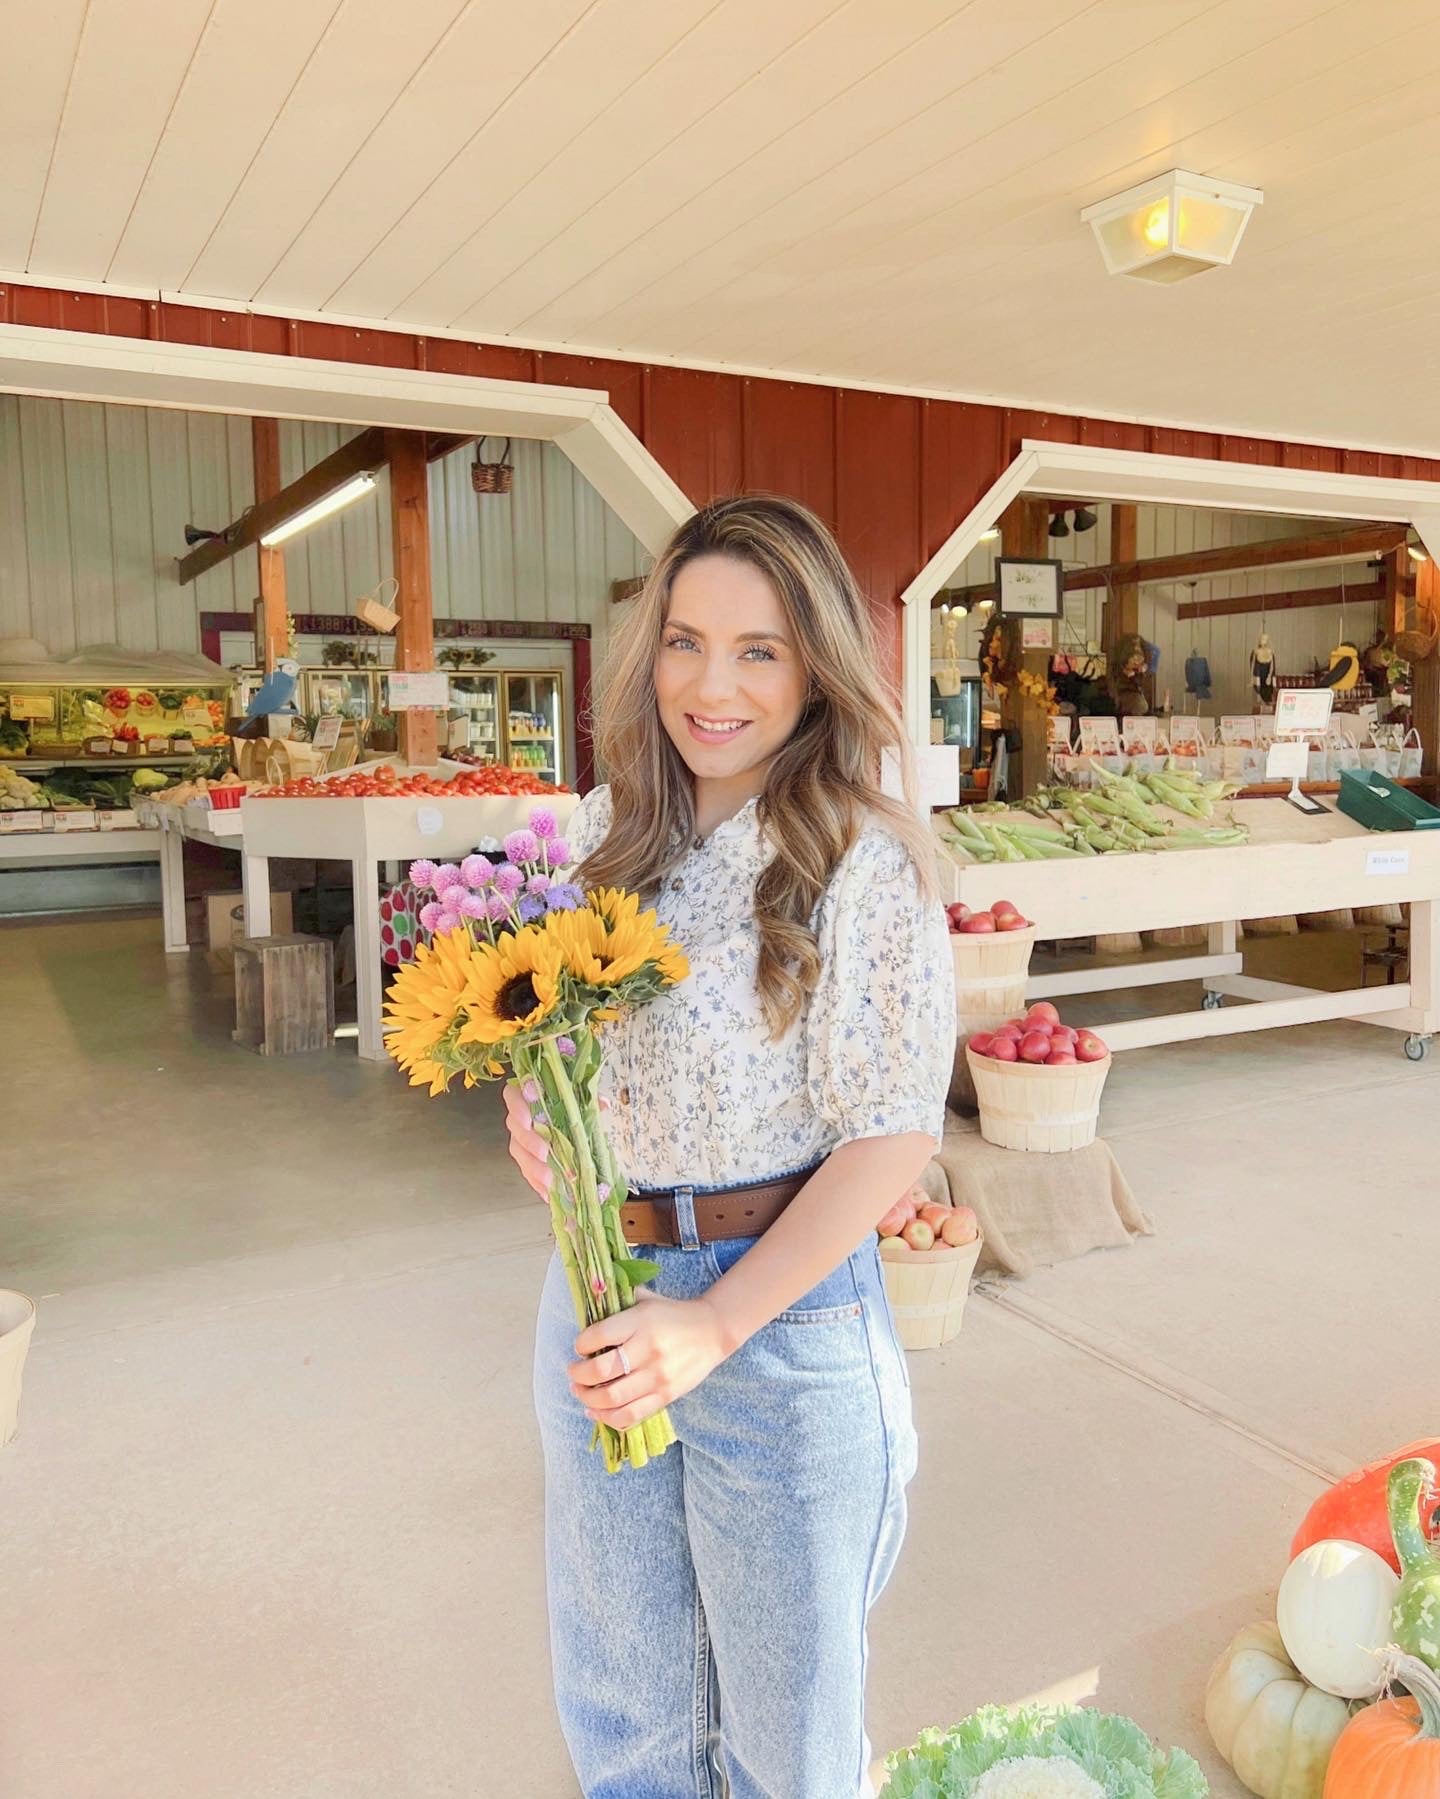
(491, 477)
(1416, 646)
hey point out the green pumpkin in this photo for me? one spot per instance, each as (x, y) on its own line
(1415, 1619)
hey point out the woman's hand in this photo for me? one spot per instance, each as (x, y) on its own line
(670, 1344)
(528, 1149)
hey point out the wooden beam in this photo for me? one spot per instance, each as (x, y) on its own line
(440, 445)
(1362, 540)
(1023, 527)
(362, 455)
(1120, 616)
(1368, 593)
(415, 634)
(1425, 676)
(1397, 581)
(272, 621)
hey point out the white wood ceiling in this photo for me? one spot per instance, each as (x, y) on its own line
(879, 191)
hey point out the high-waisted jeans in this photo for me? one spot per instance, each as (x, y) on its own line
(708, 1612)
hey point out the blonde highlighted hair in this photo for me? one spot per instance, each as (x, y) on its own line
(824, 784)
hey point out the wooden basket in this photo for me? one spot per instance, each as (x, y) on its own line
(927, 1289)
(1416, 646)
(991, 972)
(288, 761)
(492, 477)
(1026, 1105)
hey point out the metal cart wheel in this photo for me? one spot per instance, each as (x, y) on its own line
(1417, 1048)
(1212, 1002)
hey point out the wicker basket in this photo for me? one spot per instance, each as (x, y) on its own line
(1027, 1105)
(491, 477)
(991, 972)
(1416, 646)
(927, 1289)
(1380, 917)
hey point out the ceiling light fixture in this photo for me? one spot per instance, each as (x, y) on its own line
(1058, 526)
(990, 536)
(1084, 519)
(1175, 226)
(1418, 553)
(354, 489)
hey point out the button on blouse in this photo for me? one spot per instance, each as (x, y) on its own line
(706, 1098)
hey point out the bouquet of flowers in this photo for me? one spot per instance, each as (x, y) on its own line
(521, 976)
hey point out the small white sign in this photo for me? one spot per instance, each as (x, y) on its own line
(327, 733)
(1100, 736)
(411, 691)
(1287, 761)
(428, 820)
(1037, 634)
(1059, 732)
(1238, 729)
(1369, 716)
(1303, 711)
(1387, 862)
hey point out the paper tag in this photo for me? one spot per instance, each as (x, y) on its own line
(98, 746)
(1060, 728)
(1037, 634)
(327, 733)
(1100, 736)
(157, 746)
(408, 691)
(428, 820)
(1387, 862)
(28, 820)
(195, 718)
(38, 707)
(1238, 729)
(1287, 761)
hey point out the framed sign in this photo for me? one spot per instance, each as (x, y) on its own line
(1303, 711)
(1030, 586)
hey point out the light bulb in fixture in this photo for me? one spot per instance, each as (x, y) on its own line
(1418, 553)
(1157, 225)
(354, 489)
(945, 609)
(983, 605)
(961, 612)
(990, 536)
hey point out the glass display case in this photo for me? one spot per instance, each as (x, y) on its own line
(475, 701)
(44, 723)
(354, 694)
(534, 716)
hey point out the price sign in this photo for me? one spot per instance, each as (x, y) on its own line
(38, 707)
(428, 820)
(1100, 736)
(1303, 711)
(1059, 732)
(195, 718)
(1287, 761)
(327, 733)
(1387, 862)
(411, 691)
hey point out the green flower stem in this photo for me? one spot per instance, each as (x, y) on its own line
(587, 1200)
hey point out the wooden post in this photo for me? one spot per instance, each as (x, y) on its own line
(1120, 616)
(272, 622)
(415, 635)
(1425, 676)
(1397, 588)
(1023, 532)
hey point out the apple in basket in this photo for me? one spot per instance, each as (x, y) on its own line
(919, 1222)
(1040, 1039)
(1002, 916)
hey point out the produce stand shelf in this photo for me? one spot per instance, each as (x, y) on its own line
(364, 833)
(1292, 864)
(176, 823)
(39, 849)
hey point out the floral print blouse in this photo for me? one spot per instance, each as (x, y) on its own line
(700, 1094)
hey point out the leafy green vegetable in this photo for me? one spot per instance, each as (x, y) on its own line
(1112, 1751)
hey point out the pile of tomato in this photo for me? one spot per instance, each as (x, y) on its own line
(382, 782)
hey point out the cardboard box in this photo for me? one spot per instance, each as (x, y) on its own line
(225, 919)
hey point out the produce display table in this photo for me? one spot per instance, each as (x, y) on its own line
(41, 848)
(1291, 864)
(197, 822)
(365, 833)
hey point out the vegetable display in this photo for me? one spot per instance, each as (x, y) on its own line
(1357, 1507)
(1002, 916)
(1392, 1750)
(1415, 1615)
(19, 795)
(381, 781)
(1041, 1038)
(1273, 1728)
(1333, 1611)
(1040, 1752)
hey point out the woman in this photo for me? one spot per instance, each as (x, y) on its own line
(708, 1612)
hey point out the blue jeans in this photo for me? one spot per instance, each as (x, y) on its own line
(708, 1612)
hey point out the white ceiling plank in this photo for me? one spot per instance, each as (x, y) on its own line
(745, 46)
(465, 78)
(129, 68)
(614, 44)
(924, 89)
(35, 73)
(364, 64)
(244, 68)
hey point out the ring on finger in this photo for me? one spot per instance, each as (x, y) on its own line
(625, 1367)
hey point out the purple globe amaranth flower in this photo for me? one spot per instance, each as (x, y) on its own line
(431, 916)
(538, 884)
(422, 873)
(497, 907)
(522, 846)
(562, 897)
(566, 1045)
(509, 879)
(530, 908)
(603, 1190)
(530, 1092)
(477, 871)
(542, 823)
(474, 905)
(557, 852)
(447, 875)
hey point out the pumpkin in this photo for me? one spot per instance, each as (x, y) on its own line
(1273, 1728)
(1355, 1508)
(1333, 1611)
(1392, 1750)
(1415, 1617)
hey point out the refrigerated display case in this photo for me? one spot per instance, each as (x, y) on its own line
(535, 728)
(475, 699)
(354, 694)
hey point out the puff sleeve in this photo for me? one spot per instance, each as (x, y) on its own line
(589, 823)
(881, 1022)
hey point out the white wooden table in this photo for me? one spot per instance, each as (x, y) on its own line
(199, 824)
(365, 833)
(1291, 864)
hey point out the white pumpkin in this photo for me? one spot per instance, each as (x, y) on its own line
(1334, 1613)
(1273, 1728)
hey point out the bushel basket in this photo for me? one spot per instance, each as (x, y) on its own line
(1027, 1105)
(927, 1289)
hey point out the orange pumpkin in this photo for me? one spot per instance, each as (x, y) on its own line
(1391, 1750)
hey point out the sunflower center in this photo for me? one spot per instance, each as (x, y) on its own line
(517, 998)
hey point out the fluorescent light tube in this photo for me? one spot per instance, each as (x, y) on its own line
(332, 502)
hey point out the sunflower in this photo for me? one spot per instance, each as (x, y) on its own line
(516, 983)
(424, 1003)
(609, 939)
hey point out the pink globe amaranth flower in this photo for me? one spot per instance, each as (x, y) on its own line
(558, 852)
(497, 907)
(542, 822)
(422, 873)
(509, 879)
(447, 875)
(566, 1045)
(530, 1092)
(522, 846)
(538, 885)
(431, 915)
(477, 871)
(473, 905)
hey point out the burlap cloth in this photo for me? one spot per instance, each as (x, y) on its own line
(1035, 1208)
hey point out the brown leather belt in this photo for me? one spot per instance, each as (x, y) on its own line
(737, 1212)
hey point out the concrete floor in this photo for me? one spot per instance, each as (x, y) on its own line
(272, 1522)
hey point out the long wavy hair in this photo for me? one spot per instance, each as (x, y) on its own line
(824, 784)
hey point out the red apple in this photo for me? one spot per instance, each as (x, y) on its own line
(1042, 1013)
(1089, 1048)
(918, 1234)
(1059, 1057)
(1011, 921)
(1013, 1031)
(961, 1227)
(1002, 906)
(957, 914)
(1005, 1049)
(979, 921)
(981, 1042)
(1063, 1033)
(934, 1215)
(1035, 1047)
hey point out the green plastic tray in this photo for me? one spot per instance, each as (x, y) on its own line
(1380, 804)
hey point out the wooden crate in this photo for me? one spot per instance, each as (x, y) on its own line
(284, 994)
